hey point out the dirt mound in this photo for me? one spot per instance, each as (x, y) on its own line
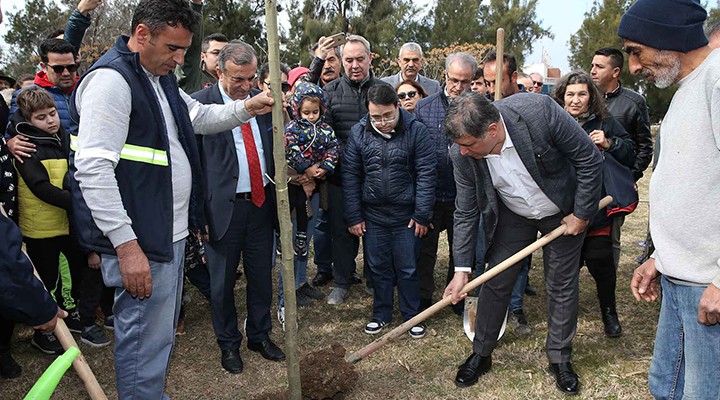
(324, 375)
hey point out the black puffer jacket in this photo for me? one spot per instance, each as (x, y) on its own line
(346, 105)
(389, 181)
(630, 110)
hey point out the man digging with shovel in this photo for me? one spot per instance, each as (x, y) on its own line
(524, 165)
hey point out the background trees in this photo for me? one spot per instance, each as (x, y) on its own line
(439, 24)
(599, 29)
(385, 23)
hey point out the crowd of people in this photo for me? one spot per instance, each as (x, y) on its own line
(156, 166)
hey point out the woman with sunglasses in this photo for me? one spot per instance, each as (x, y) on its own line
(409, 93)
(577, 93)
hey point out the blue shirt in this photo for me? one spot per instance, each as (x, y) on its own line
(243, 184)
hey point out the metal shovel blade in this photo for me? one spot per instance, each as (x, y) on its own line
(469, 316)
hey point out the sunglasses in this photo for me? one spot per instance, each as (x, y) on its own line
(537, 83)
(285, 87)
(58, 69)
(411, 94)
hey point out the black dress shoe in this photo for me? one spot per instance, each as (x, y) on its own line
(322, 279)
(470, 371)
(565, 378)
(611, 322)
(231, 361)
(268, 350)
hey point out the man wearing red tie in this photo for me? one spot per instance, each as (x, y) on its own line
(240, 210)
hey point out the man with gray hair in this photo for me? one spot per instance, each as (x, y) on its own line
(410, 59)
(459, 71)
(346, 104)
(240, 210)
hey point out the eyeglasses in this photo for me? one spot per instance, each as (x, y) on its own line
(455, 82)
(537, 83)
(386, 119)
(410, 94)
(285, 87)
(58, 69)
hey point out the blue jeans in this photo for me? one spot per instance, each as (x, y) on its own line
(686, 359)
(392, 254)
(145, 329)
(300, 263)
(516, 299)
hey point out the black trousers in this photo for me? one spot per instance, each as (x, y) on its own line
(249, 235)
(561, 258)
(6, 332)
(442, 220)
(344, 245)
(298, 202)
(597, 255)
(87, 284)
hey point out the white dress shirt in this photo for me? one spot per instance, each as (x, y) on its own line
(515, 186)
(243, 184)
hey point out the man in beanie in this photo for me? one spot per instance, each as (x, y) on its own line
(666, 44)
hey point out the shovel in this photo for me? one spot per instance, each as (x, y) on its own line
(486, 276)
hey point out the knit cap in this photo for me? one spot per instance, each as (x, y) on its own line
(665, 24)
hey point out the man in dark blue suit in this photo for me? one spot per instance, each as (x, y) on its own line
(240, 209)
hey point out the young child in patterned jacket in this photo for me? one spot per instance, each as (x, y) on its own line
(311, 149)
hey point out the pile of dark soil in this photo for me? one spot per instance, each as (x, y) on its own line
(324, 375)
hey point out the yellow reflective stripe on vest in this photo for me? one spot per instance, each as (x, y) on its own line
(135, 153)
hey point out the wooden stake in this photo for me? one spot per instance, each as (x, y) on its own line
(499, 62)
(283, 204)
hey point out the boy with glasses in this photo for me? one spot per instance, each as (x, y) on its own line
(389, 191)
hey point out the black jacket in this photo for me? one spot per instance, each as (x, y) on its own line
(389, 181)
(431, 112)
(621, 149)
(345, 106)
(220, 167)
(630, 110)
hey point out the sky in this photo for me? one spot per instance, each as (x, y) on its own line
(562, 18)
(563, 21)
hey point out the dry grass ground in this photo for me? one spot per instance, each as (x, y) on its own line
(405, 369)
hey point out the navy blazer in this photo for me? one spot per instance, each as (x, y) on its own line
(220, 166)
(557, 153)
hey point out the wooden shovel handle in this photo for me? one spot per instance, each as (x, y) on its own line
(486, 276)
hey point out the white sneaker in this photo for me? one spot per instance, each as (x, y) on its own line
(417, 331)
